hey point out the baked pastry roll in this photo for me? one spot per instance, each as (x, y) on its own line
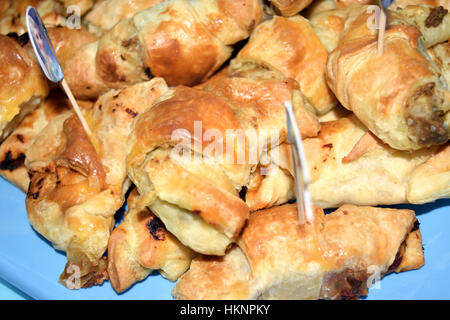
(290, 46)
(335, 257)
(106, 13)
(403, 101)
(53, 13)
(349, 165)
(432, 22)
(191, 153)
(79, 182)
(434, 3)
(182, 41)
(23, 88)
(12, 150)
(140, 245)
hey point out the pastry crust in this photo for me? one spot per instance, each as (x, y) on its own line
(151, 44)
(333, 257)
(12, 150)
(432, 22)
(440, 54)
(106, 13)
(53, 13)
(434, 3)
(290, 46)
(403, 102)
(79, 182)
(246, 111)
(431, 180)
(210, 215)
(23, 87)
(347, 164)
(290, 7)
(140, 245)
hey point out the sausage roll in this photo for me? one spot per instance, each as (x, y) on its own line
(182, 41)
(398, 95)
(337, 256)
(349, 165)
(290, 46)
(79, 182)
(191, 153)
(432, 22)
(24, 86)
(141, 244)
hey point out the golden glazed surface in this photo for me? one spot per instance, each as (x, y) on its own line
(332, 257)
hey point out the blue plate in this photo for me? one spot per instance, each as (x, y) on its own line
(30, 263)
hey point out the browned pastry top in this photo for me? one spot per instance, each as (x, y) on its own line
(21, 80)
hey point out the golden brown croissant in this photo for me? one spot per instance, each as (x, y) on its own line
(53, 13)
(290, 46)
(349, 165)
(192, 184)
(106, 13)
(397, 95)
(141, 244)
(12, 150)
(79, 182)
(337, 256)
(182, 41)
(23, 85)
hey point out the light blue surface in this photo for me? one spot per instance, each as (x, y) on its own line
(30, 264)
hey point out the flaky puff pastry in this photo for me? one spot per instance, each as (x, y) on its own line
(440, 54)
(290, 46)
(434, 3)
(191, 153)
(106, 13)
(349, 165)
(142, 244)
(433, 22)
(431, 180)
(24, 86)
(182, 41)
(79, 182)
(12, 150)
(397, 95)
(328, 24)
(53, 13)
(337, 256)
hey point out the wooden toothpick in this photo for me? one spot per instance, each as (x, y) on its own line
(46, 57)
(381, 30)
(75, 106)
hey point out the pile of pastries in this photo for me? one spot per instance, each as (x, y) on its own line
(375, 129)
